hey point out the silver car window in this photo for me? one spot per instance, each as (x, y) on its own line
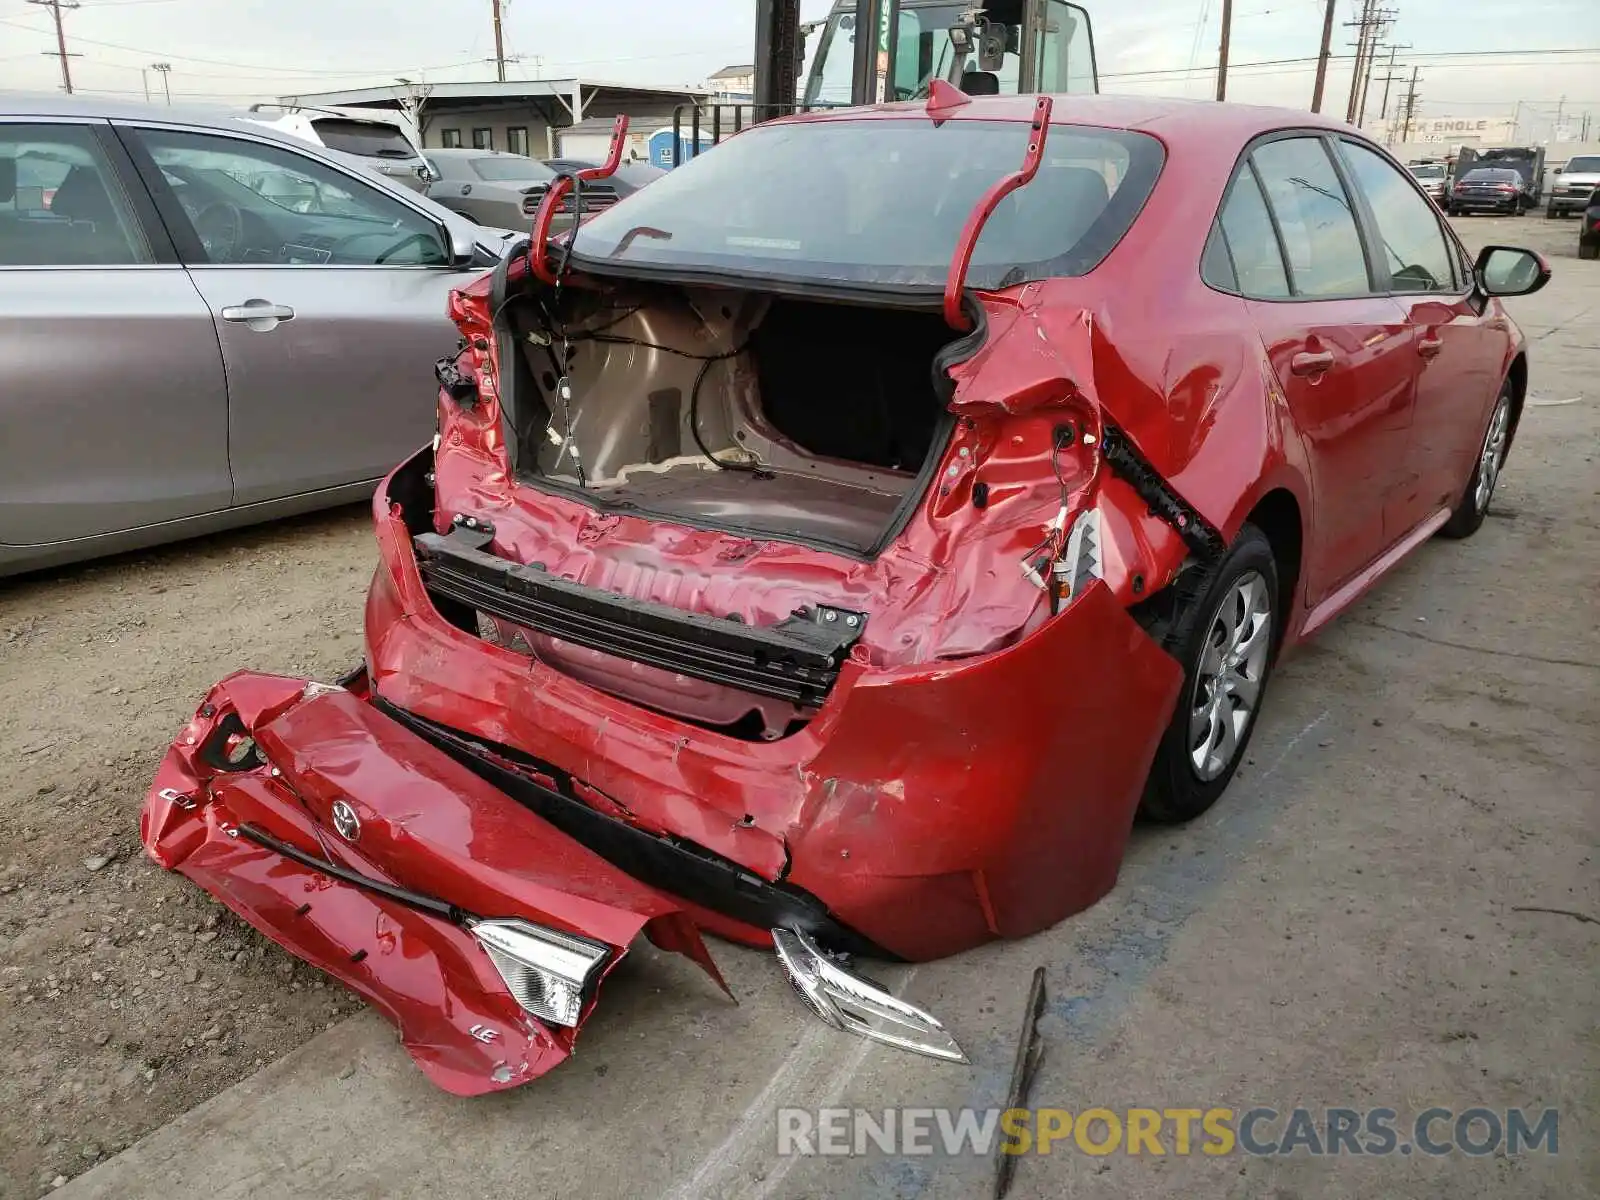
(248, 202)
(61, 204)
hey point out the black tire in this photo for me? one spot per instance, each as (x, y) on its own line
(1471, 509)
(1177, 790)
(1550, 214)
(1589, 250)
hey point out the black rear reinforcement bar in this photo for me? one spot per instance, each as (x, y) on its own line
(796, 659)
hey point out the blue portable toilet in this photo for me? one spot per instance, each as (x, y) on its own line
(661, 146)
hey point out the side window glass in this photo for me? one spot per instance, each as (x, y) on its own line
(1257, 260)
(1416, 252)
(1216, 267)
(61, 203)
(250, 203)
(1319, 226)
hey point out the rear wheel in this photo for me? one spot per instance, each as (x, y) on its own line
(1474, 503)
(1225, 637)
(1589, 250)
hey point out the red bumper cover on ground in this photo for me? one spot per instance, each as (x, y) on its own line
(425, 823)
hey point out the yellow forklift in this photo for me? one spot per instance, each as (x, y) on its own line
(876, 51)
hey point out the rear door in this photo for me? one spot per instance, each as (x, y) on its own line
(1459, 352)
(1341, 352)
(113, 406)
(329, 298)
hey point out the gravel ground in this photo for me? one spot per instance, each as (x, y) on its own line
(108, 959)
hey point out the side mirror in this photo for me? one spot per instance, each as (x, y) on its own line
(1509, 271)
(463, 249)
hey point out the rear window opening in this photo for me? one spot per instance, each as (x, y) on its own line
(759, 414)
(369, 139)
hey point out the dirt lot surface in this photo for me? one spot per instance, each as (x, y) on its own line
(1347, 927)
(128, 996)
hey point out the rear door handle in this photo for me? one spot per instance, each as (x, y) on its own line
(1429, 347)
(1311, 363)
(258, 314)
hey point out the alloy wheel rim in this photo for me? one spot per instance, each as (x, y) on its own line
(1493, 455)
(1231, 672)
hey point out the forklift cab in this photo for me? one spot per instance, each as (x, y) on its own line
(983, 47)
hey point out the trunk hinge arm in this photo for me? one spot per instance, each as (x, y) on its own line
(556, 194)
(1203, 538)
(956, 281)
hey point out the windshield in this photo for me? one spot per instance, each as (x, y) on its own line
(511, 168)
(1487, 175)
(1583, 166)
(882, 202)
(370, 139)
(1428, 172)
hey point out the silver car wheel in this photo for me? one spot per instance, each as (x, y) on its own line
(1227, 684)
(1493, 455)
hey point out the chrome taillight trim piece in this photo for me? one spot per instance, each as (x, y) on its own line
(855, 1004)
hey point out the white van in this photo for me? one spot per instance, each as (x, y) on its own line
(370, 138)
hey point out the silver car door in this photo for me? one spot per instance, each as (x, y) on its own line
(113, 405)
(329, 296)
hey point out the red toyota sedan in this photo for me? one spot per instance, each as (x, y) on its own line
(833, 547)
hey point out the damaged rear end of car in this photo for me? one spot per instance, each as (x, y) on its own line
(768, 576)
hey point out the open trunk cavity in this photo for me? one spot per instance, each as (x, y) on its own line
(805, 421)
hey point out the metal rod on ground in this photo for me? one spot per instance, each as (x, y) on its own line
(1222, 50)
(1322, 58)
(1023, 1069)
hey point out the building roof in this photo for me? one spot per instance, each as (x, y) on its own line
(490, 90)
(736, 71)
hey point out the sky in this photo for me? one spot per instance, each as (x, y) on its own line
(1475, 57)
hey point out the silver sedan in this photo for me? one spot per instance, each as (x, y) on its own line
(204, 323)
(495, 188)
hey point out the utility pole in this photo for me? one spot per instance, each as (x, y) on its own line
(1364, 26)
(499, 45)
(1322, 58)
(1411, 98)
(1383, 113)
(1222, 50)
(165, 70)
(55, 7)
(1380, 23)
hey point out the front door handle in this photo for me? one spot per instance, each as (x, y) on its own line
(1429, 347)
(260, 315)
(1308, 363)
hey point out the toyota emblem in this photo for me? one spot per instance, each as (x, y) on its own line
(346, 821)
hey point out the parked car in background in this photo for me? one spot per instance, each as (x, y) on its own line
(1432, 178)
(1573, 185)
(630, 177)
(863, 565)
(204, 323)
(361, 136)
(1490, 190)
(497, 188)
(1527, 161)
(1589, 235)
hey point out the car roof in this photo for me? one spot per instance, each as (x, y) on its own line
(99, 108)
(455, 152)
(1165, 117)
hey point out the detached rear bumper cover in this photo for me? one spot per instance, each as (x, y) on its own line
(436, 846)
